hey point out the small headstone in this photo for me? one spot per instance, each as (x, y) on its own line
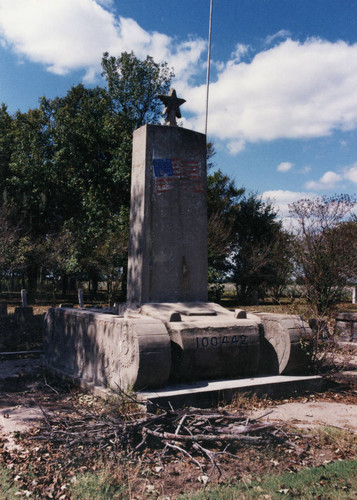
(23, 314)
(24, 298)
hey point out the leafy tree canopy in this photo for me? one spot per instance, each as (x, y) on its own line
(325, 248)
(134, 85)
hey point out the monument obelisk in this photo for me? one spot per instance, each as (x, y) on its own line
(168, 221)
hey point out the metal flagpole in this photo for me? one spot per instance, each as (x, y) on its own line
(208, 62)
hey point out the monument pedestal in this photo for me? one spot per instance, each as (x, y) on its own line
(162, 343)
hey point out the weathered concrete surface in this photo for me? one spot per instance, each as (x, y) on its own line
(207, 341)
(282, 351)
(346, 326)
(160, 342)
(313, 414)
(107, 350)
(168, 216)
(207, 392)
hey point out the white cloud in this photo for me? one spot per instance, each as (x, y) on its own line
(305, 170)
(332, 180)
(236, 146)
(281, 199)
(67, 35)
(293, 90)
(280, 34)
(351, 174)
(62, 35)
(328, 181)
(284, 166)
(240, 51)
(106, 3)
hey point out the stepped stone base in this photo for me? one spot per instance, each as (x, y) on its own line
(154, 344)
(214, 392)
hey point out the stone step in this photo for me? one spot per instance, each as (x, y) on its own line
(206, 393)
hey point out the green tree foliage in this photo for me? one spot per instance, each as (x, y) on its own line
(6, 145)
(134, 85)
(222, 208)
(245, 240)
(325, 248)
(254, 248)
(10, 243)
(26, 186)
(281, 262)
(65, 171)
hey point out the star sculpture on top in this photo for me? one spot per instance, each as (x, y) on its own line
(172, 107)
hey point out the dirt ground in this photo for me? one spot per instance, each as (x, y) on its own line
(30, 402)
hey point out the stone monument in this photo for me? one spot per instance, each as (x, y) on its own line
(167, 331)
(168, 221)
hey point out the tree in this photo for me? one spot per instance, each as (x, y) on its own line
(326, 248)
(281, 261)
(222, 208)
(91, 163)
(245, 240)
(27, 185)
(66, 166)
(6, 146)
(134, 86)
(9, 244)
(222, 204)
(256, 232)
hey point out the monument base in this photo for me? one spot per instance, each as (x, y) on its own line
(155, 344)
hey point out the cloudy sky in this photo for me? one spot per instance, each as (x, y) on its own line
(283, 94)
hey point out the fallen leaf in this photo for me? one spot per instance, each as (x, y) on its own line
(203, 479)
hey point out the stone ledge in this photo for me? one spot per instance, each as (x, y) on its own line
(212, 392)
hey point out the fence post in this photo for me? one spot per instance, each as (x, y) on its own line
(24, 298)
(80, 298)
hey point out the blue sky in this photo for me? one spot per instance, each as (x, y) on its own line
(283, 94)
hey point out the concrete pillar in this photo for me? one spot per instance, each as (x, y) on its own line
(80, 298)
(168, 218)
(354, 295)
(24, 301)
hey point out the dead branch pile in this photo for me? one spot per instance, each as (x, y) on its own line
(200, 435)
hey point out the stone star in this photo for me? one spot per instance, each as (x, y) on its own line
(172, 107)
